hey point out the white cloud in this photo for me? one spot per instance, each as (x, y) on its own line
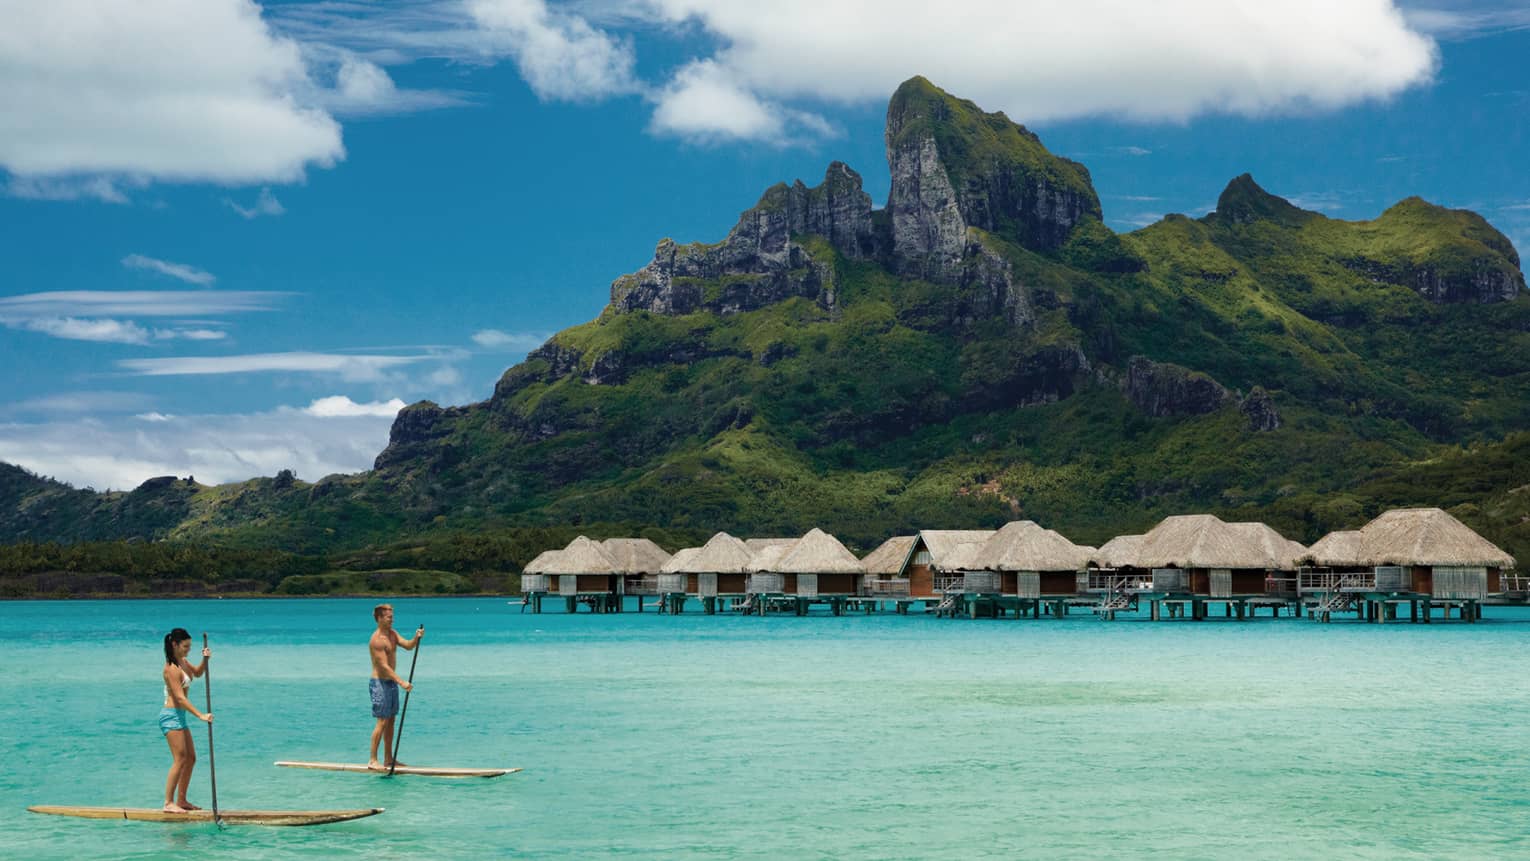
(365, 88)
(78, 329)
(559, 54)
(137, 303)
(358, 368)
(494, 339)
(185, 272)
(1132, 150)
(703, 100)
(1470, 22)
(99, 188)
(342, 406)
(191, 334)
(1039, 60)
(171, 90)
(265, 204)
(121, 453)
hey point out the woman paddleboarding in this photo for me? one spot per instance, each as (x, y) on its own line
(173, 722)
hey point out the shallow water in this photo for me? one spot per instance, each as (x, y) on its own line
(821, 737)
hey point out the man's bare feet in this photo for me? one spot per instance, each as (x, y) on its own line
(174, 808)
(374, 765)
(397, 764)
(186, 805)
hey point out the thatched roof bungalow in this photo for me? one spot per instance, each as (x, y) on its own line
(1030, 561)
(582, 568)
(534, 577)
(929, 559)
(819, 565)
(718, 567)
(1423, 550)
(886, 566)
(1201, 554)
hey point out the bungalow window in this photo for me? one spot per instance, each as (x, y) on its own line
(922, 557)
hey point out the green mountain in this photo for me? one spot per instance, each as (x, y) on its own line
(982, 348)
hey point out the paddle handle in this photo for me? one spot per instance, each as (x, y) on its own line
(212, 762)
(404, 712)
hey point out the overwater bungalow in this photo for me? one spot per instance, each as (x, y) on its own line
(815, 568)
(886, 567)
(637, 563)
(1028, 562)
(1421, 556)
(716, 572)
(928, 570)
(1199, 557)
(584, 573)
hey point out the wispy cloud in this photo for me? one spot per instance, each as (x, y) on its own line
(183, 271)
(104, 189)
(1135, 151)
(110, 316)
(139, 303)
(1141, 219)
(1139, 198)
(346, 366)
(1463, 21)
(265, 204)
(494, 339)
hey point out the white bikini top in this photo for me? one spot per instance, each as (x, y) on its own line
(185, 686)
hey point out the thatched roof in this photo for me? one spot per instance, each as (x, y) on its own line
(1205, 541)
(539, 564)
(1283, 551)
(722, 554)
(1118, 552)
(755, 545)
(1025, 546)
(1336, 548)
(943, 541)
(963, 557)
(581, 556)
(819, 553)
(635, 555)
(767, 557)
(1426, 536)
(891, 557)
(680, 563)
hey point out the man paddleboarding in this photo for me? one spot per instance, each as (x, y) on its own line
(385, 682)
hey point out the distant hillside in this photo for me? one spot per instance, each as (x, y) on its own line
(980, 349)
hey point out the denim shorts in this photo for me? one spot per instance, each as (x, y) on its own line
(172, 719)
(384, 698)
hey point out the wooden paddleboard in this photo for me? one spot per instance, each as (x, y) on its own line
(403, 769)
(232, 817)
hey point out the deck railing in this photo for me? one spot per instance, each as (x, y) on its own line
(894, 588)
(1326, 580)
(950, 583)
(533, 583)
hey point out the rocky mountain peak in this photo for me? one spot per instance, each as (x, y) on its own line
(955, 166)
(1243, 201)
(758, 263)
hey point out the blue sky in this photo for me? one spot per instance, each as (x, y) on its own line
(236, 237)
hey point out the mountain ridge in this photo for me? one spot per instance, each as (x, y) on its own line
(827, 363)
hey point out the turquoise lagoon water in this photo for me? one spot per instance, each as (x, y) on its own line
(651, 736)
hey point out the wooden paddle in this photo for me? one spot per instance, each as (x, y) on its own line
(212, 766)
(405, 710)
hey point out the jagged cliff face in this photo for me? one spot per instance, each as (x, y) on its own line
(758, 264)
(955, 167)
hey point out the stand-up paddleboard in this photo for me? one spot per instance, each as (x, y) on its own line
(230, 817)
(402, 769)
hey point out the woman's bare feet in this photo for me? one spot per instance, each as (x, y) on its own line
(374, 765)
(186, 805)
(174, 808)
